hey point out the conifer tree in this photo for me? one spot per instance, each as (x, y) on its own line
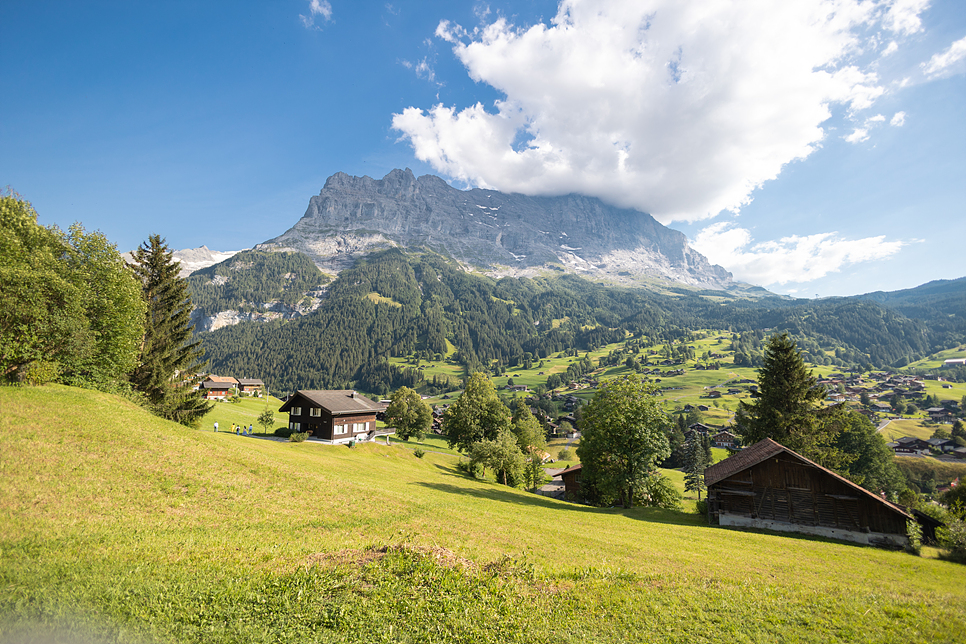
(787, 394)
(169, 359)
(695, 462)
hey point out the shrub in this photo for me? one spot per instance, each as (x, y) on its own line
(419, 453)
(914, 532)
(563, 454)
(701, 507)
(469, 468)
(283, 432)
(297, 437)
(40, 372)
(952, 539)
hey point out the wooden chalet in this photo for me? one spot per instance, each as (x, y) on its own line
(768, 486)
(725, 439)
(335, 416)
(222, 379)
(248, 385)
(571, 479)
(216, 390)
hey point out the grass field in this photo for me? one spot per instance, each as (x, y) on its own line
(119, 527)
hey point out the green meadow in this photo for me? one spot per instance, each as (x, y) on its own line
(116, 526)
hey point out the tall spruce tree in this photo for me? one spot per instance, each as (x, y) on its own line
(695, 462)
(787, 395)
(169, 359)
(787, 408)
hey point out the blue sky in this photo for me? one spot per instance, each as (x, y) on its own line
(816, 148)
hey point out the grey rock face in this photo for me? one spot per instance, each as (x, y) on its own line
(500, 234)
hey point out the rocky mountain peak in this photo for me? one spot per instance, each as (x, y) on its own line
(498, 233)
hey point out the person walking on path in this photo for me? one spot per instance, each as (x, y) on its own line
(249, 429)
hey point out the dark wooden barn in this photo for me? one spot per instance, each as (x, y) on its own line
(571, 479)
(336, 416)
(769, 486)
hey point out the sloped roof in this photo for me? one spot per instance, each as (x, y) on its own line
(250, 381)
(765, 449)
(227, 379)
(573, 468)
(760, 451)
(213, 384)
(335, 401)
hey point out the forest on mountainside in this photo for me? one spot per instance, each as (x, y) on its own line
(395, 304)
(251, 278)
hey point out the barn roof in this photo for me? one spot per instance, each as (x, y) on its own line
(765, 449)
(573, 468)
(251, 382)
(335, 401)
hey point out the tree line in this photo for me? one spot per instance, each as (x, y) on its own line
(73, 311)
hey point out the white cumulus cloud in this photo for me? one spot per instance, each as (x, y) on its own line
(898, 119)
(790, 259)
(948, 63)
(320, 8)
(680, 108)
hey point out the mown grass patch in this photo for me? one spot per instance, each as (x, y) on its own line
(117, 526)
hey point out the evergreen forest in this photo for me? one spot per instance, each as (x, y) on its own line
(394, 303)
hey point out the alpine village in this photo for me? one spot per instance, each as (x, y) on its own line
(384, 426)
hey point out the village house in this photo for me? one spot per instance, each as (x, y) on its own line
(909, 445)
(768, 486)
(332, 416)
(250, 385)
(213, 390)
(571, 480)
(725, 439)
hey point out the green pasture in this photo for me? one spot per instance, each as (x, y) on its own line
(116, 526)
(935, 361)
(244, 412)
(908, 427)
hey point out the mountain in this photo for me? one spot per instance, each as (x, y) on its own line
(255, 286)
(499, 234)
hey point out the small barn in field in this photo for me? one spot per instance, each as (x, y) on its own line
(336, 416)
(769, 486)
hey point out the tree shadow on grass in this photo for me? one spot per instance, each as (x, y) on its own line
(494, 493)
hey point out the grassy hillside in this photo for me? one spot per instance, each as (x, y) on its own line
(117, 526)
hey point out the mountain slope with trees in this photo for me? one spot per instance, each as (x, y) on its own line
(393, 304)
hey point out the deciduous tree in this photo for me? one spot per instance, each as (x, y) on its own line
(532, 441)
(408, 414)
(476, 415)
(500, 454)
(623, 438)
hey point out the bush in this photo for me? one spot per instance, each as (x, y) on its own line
(701, 507)
(563, 454)
(469, 468)
(914, 532)
(40, 372)
(419, 453)
(952, 539)
(297, 437)
(283, 432)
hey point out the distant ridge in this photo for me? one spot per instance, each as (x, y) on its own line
(499, 234)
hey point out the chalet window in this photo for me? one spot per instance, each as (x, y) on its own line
(338, 429)
(358, 427)
(295, 411)
(315, 411)
(294, 426)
